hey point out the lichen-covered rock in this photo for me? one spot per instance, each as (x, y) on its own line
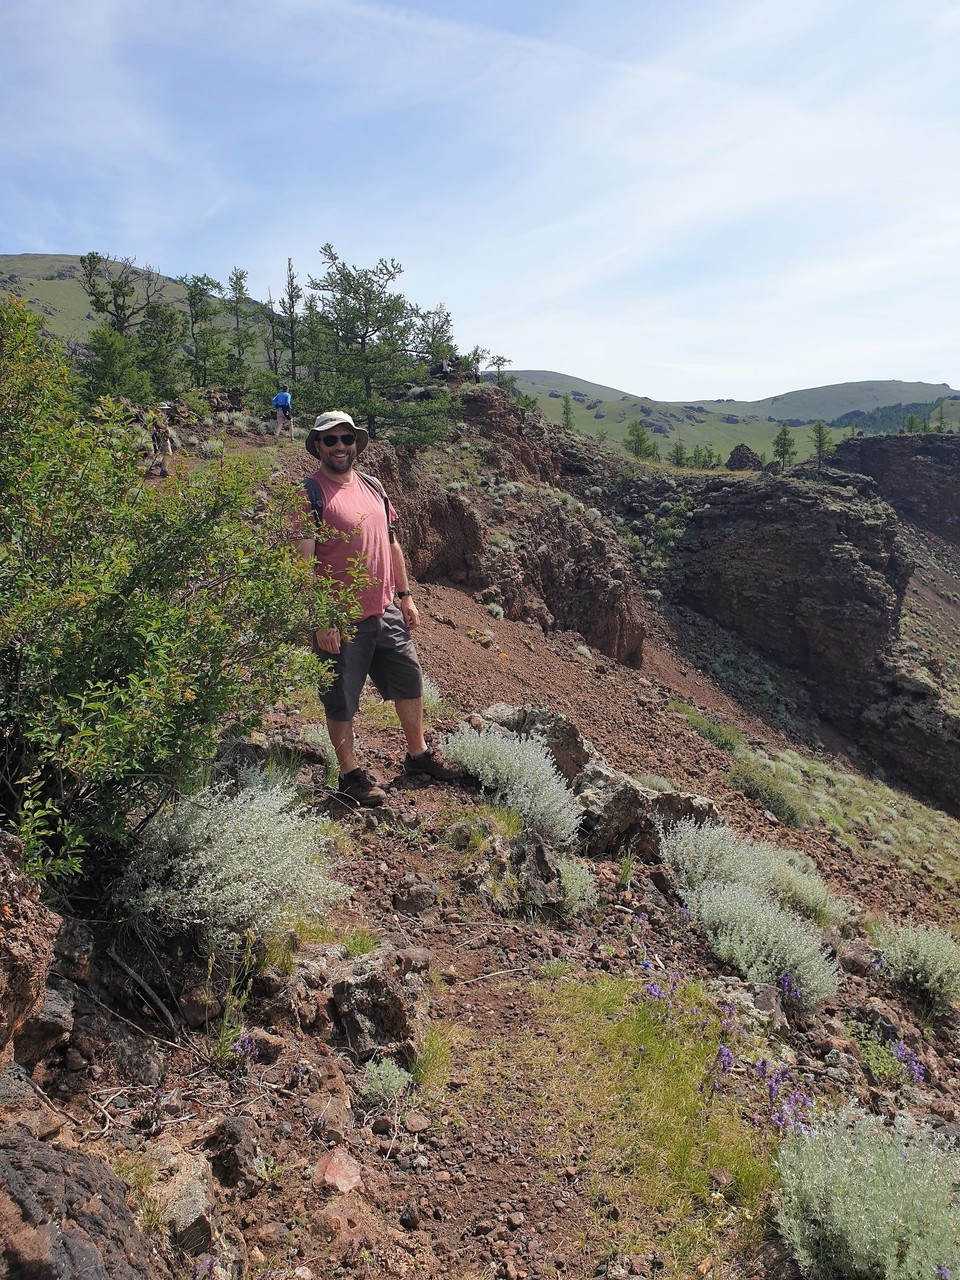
(379, 1002)
(64, 1215)
(620, 817)
(569, 748)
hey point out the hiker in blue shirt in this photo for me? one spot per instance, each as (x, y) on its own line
(282, 405)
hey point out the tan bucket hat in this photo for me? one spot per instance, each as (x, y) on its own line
(334, 418)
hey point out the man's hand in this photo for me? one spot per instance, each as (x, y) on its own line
(410, 614)
(328, 639)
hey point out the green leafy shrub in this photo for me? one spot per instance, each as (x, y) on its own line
(923, 960)
(725, 736)
(134, 622)
(859, 1200)
(521, 774)
(758, 781)
(225, 861)
(750, 930)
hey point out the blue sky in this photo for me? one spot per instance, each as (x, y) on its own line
(733, 198)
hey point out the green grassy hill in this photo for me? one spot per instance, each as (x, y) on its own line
(604, 412)
(832, 401)
(49, 283)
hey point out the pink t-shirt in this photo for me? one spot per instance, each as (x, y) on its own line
(355, 514)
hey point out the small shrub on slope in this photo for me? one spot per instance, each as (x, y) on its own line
(699, 853)
(758, 781)
(521, 775)
(226, 861)
(862, 1202)
(724, 736)
(925, 961)
(580, 893)
(748, 929)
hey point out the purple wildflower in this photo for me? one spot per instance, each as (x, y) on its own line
(245, 1046)
(790, 991)
(912, 1065)
(725, 1059)
(942, 1272)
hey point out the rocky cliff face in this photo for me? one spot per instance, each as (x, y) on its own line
(918, 475)
(527, 547)
(811, 574)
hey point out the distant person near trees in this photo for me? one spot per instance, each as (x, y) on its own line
(350, 521)
(283, 408)
(161, 437)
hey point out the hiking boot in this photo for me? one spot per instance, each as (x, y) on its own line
(431, 765)
(362, 787)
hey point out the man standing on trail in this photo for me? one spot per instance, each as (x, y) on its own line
(282, 405)
(354, 519)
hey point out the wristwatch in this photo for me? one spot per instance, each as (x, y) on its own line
(401, 594)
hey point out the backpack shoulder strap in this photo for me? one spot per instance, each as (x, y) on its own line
(315, 497)
(377, 487)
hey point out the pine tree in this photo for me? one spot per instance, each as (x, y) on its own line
(822, 442)
(640, 442)
(566, 409)
(784, 447)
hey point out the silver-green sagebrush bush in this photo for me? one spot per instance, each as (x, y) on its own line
(229, 860)
(750, 930)
(863, 1202)
(925, 961)
(696, 854)
(580, 893)
(521, 774)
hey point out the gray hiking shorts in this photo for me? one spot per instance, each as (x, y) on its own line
(380, 648)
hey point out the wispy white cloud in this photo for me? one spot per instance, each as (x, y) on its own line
(733, 192)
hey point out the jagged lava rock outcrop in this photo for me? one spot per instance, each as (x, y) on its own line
(811, 574)
(919, 475)
(538, 555)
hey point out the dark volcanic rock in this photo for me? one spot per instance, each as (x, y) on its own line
(919, 475)
(812, 574)
(743, 458)
(64, 1215)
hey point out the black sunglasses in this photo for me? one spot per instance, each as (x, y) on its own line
(330, 441)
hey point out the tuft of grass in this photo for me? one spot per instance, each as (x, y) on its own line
(924, 961)
(725, 736)
(625, 1084)
(356, 939)
(654, 782)
(148, 1206)
(756, 779)
(859, 1200)
(522, 775)
(553, 970)
(433, 1063)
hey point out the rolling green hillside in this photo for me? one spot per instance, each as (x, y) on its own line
(832, 401)
(50, 284)
(605, 412)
